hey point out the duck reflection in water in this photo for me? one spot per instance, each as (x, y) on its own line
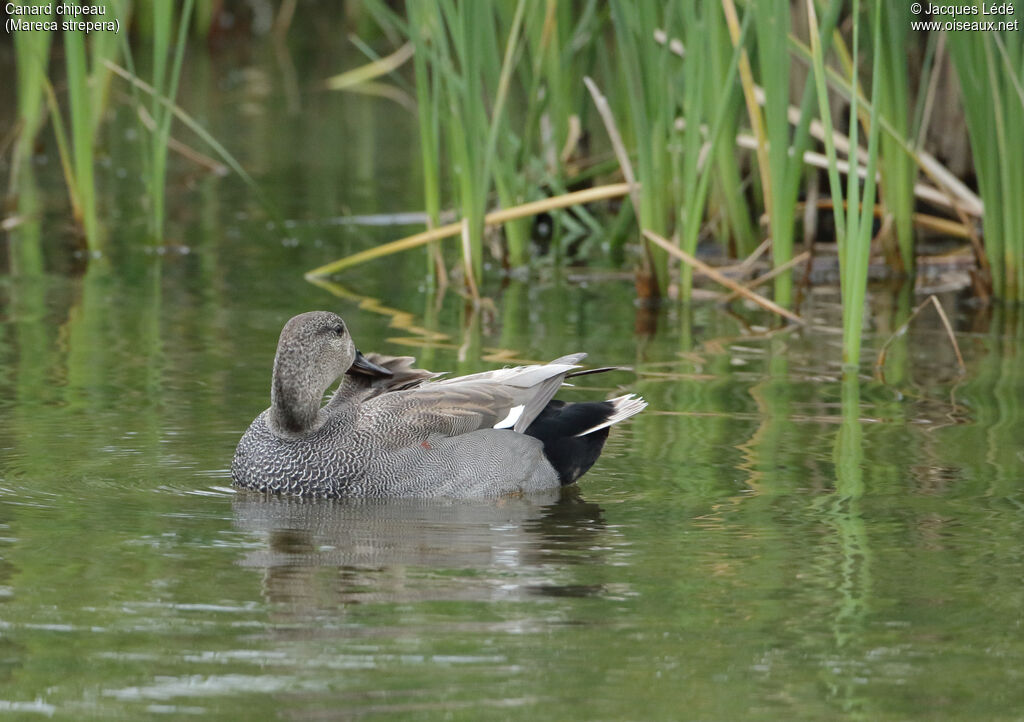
(321, 553)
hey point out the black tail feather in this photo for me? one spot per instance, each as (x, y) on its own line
(558, 425)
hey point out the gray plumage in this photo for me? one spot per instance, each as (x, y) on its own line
(392, 430)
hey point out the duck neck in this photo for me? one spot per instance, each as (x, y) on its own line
(294, 403)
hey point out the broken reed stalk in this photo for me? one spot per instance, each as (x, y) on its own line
(371, 71)
(467, 260)
(717, 277)
(615, 190)
(765, 277)
(747, 263)
(945, 226)
(934, 300)
(193, 125)
(753, 109)
(622, 155)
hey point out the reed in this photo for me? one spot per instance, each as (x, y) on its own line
(551, 78)
(420, 24)
(690, 160)
(727, 174)
(675, 156)
(31, 54)
(32, 57)
(501, 159)
(504, 119)
(466, 52)
(898, 169)
(854, 223)
(665, 101)
(720, 110)
(452, 229)
(83, 149)
(202, 17)
(88, 60)
(990, 66)
(429, 116)
(568, 53)
(165, 88)
(87, 84)
(25, 241)
(104, 47)
(562, 43)
(771, 24)
(780, 149)
(192, 124)
(650, 75)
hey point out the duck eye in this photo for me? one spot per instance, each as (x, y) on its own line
(339, 330)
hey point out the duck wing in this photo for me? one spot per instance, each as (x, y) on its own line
(359, 388)
(509, 398)
(403, 375)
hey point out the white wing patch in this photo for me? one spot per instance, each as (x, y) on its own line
(513, 416)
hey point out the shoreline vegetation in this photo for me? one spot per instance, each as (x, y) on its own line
(744, 144)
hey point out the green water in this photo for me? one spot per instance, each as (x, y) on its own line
(764, 542)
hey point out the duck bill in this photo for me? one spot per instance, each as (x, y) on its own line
(364, 367)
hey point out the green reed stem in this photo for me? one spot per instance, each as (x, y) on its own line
(103, 47)
(772, 22)
(899, 172)
(192, 124)
(165, 83)
(82, 137)
(723, 57)
(25, 242)
(652, 83)
(785, 152)
(725, 114)
(686, 152)
(854, 224)
(428, 114)
(506, 177)
(31, 57)
(990, 67)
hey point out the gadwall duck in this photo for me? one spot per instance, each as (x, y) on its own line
(392, 430)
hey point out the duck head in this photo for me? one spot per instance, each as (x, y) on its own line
(314, 350)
